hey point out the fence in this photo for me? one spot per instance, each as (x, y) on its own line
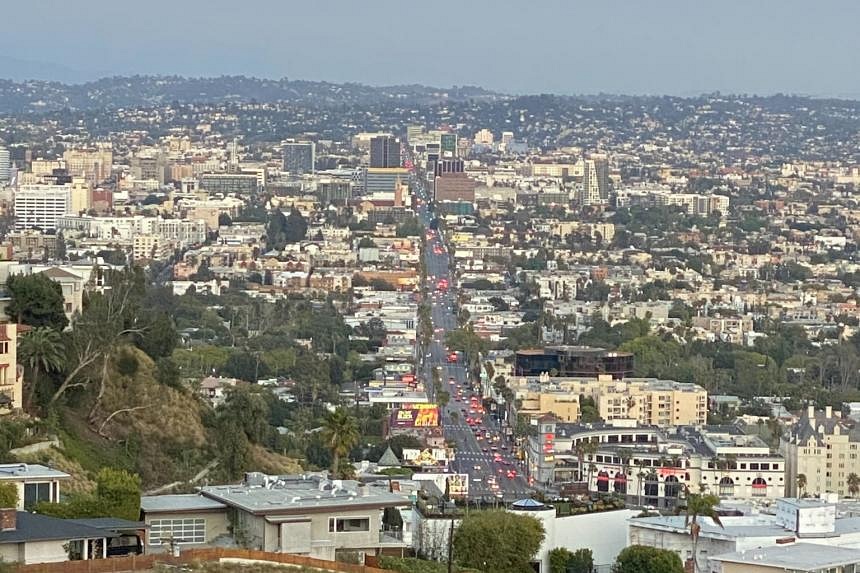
(145, 562)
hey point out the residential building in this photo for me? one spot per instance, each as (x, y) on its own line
(243, 185)
(304, 515)
(11, 375)
(34, 482)
(589, 194)
(39, 206)
(28, 538)
(93, 165)
(825, 449)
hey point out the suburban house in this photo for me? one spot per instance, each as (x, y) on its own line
(304, 514)
(35, 482)
(32, 538)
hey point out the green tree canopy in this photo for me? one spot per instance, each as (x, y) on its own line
(497, 541)
(8, 495)
(36, 301)
(644, 559)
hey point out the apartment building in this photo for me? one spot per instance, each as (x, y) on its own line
(11, 376)
(825, 450)
(648, 401)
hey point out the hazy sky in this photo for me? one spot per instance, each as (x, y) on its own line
(563, 46)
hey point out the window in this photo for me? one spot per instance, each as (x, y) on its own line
(4, 348)
(192, 530)
(347, 524)
(36, 492)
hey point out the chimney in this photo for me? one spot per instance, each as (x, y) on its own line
(828, 411)
(8, 519)
(810, 412)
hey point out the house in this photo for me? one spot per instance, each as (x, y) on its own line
(32, 538)
(183, 519)
(35, 482)
(301, 514)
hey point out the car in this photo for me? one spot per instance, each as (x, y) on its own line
(477, 468)
(500, 470)
(485, 450)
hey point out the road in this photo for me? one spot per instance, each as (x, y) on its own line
(488, 463)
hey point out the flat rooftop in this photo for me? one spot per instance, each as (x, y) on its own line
(30, 471)
(795, 556)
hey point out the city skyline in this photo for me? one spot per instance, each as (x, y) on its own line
(614, 47)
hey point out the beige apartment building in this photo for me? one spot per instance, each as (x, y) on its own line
(649, 401)
(825, 450)
(11, 377)
(93, 165)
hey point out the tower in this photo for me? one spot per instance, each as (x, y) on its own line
(384, 152)
(590, 193)
(5, 165)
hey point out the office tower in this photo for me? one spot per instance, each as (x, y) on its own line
(449, 166)
(590, 192)
(448, 145)
(39, 206)
(507, 138)
(299, 157)
(5, 165)
(601, 166)
(152, 167)
(93, 165)
(384, 152)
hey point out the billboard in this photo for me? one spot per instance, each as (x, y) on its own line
(425, 416)
(427, 457)
(457, 485)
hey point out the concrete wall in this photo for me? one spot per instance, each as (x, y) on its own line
(604, 533)
(45, 552)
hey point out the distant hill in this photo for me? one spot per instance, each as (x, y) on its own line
(140, 91)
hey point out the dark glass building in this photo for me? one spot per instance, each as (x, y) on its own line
(573, 361)
(384, 151)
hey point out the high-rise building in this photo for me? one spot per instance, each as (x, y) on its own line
(590, 192)
(5, 165)
(299, 157)
(39, 206)
(93, 165)
(384, 152)
(150, 166)
(601, 166)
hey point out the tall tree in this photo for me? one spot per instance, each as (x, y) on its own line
(340, 433)
(40, 350)
(853, 482)
(36, 301)
(498, 541)
(695, 507)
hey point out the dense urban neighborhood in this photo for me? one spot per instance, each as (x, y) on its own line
(418, 329)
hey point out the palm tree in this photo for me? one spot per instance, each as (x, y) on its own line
(340, 433)
(40, 350)
(801, 483)
(696, 506)
(853, 484)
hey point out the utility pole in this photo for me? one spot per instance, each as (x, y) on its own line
(450, 544)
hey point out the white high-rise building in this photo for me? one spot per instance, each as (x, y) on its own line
(39, 206)
(590, 193)
(5, 165)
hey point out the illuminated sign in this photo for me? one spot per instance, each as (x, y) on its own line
(425, 416)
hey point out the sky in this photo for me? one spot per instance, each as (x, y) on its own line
(677, 47)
